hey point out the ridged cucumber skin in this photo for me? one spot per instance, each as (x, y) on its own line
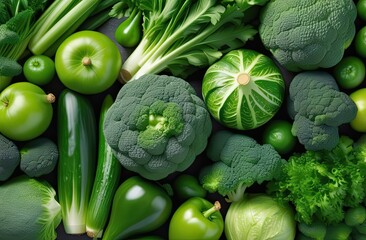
(77, 144)
(107, 180)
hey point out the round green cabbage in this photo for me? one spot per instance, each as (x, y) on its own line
(259, 216)
(243, 90)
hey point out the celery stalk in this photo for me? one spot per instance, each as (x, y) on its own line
(71, 19)
(52, 14)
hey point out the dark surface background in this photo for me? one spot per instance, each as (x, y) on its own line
(195, 80)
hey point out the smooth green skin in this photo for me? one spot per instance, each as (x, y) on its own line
(355, 216)
(39, 69)
(189, 223)
(88, 62)
(361, 9)
(186, 186)
(149, 238)
(25, 111)
(77, 144)
(139, 206)
(315, 230)
(349, 72)
(360, 42)
(4, 82)
(129, 32)
(359, 122)
(278, 134)
(106, 182)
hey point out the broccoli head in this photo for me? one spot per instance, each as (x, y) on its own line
(238, 162)
(307, 35)
(318, 109)
(9, 157)
(38, 157)
(157, 125)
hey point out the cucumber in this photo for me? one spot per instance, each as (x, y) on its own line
(106, 181)
(77, 144)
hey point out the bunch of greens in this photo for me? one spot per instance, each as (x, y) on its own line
(17, 18)
(180, 36)
(323, 184)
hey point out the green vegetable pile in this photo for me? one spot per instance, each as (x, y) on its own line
(183, 120)
(16, 28)
(327, 189)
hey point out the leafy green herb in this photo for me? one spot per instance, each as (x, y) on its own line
(183, 35)
(323, 184)
(17, 18)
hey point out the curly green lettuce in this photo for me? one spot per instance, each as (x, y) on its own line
(323, 184)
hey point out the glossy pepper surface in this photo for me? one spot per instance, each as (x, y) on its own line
(139, 206)
(196, 218)
(187, 186)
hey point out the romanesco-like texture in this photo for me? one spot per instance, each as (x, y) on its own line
(157, 125)
(318, 109)
(307, 35)
(238, 162)
(9, 157)
(38, 157)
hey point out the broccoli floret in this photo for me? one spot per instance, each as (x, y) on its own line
(239, 162)
(318, 109)
(307, 35)
(9, 157)
(157, 125)
(38, 157)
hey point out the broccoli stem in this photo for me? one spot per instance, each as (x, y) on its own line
(237, 194)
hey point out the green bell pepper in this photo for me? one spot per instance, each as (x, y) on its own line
(139, 206)
(186, 186)
(196, 218)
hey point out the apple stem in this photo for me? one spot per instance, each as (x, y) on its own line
(86, 61)
(50, 98)
(216, 207)
(6, 103)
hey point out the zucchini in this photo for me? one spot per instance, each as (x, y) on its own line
(77, 144)
(107, 180)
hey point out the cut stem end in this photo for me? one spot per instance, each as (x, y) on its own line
(124, 76)
(51, 98)
(243, 78)
(216, 207)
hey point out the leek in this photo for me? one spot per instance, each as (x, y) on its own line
(76, 128)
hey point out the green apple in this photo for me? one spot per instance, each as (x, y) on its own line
(25, 111)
